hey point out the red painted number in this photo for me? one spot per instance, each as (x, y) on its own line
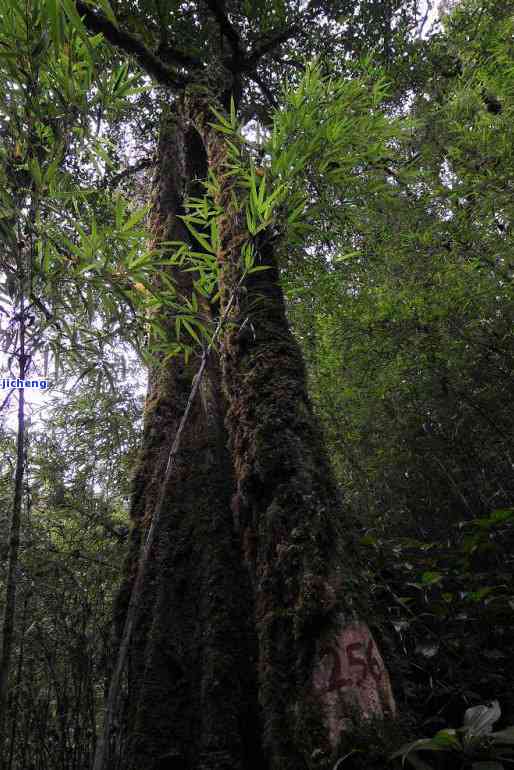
(367, 663)
(359, 656)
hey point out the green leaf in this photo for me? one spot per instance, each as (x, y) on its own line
(477, 596)
(56, 22)
(275, 196)
(107, 9)
(224, 122)
(347, 256)
(191, 331)
(144, 259)
(251, 225)
(135, 218)
(254, 199)
(119, 77)
(76, 22)
(293, 216)
(233, 117)
(89, 266)
(248, 256)
(222, 129)
(430, 578)
(422, 744)
(447, 738)
(501, 515)
(36, 173)
(262, 192)
(202, 240)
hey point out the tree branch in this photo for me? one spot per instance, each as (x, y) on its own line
(134, 46)
(266, 46)
(226, 27)
(145, 163)
(264, 88)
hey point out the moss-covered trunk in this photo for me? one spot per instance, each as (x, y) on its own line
(250, 651)
(296, 549)
(191, 696)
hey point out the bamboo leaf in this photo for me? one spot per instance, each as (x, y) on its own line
(202, 240)
(109, 13)
(190, 329)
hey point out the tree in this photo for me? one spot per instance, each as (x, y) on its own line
(283, 495)
(15, 519)
(374, 194)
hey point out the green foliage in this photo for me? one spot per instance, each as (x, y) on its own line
(446, 607)
(405, 309)
(73, 252)
(327, 141)
(472, 746)
(74, 529)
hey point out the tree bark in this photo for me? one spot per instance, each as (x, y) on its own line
(191, 694)
(250, 651)
(298, 553)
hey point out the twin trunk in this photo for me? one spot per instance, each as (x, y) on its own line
(244, 655)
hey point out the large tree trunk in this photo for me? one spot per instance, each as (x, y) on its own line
(191, 689)
(318, 665)
(249, 651)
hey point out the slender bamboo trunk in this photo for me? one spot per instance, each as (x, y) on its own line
(19, 669)
(13, 547)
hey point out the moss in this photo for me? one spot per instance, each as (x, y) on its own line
(284, 484)
(192, 689)
(261, 517)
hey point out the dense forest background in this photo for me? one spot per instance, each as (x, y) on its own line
(388, 140)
